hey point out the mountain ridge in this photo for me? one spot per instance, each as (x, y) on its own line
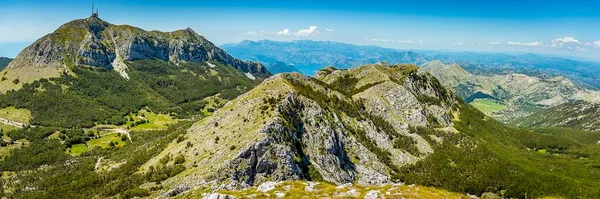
(96, 43)
(582, 72)
(578, 115)
(371, 125)
(117, 69)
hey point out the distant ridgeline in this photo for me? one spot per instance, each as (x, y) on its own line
(509, 97)
(91, 72)
(310, 56)
(4, 62)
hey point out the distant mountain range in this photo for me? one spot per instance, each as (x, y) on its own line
(309, 56)
(280, 67)
(4, 61)
(509, 96)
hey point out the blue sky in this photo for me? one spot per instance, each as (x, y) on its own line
(567, 28)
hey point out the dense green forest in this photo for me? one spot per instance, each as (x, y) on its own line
(489, 157)
(91, 96)
(77, 178)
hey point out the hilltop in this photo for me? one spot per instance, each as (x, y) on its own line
(371, 125)
(99, 44)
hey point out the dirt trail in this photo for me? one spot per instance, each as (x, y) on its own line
(98, 163)
(12, 123)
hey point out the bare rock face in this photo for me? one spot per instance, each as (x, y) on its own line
(293, 127)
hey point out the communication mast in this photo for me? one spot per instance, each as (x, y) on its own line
(94, 14)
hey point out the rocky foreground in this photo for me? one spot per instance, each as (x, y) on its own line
(300, 189)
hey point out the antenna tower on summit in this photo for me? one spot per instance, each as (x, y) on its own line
(94, 14)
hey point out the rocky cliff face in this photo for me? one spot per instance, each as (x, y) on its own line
(355, 125)
(94, 42)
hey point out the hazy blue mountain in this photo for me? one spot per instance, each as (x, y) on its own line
(4, 62)
(582, 72)
(280, 67)
(309, 56)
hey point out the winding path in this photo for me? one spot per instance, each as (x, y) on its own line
(12, 123)
(98, 163)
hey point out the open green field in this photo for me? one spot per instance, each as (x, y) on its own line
(487, 106)
(155, 121)
(19, 115)
(104, 141)
(78, 149)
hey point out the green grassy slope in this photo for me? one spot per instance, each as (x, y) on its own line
(98, 96)
(578, 115)
(496, 158)
(487, 106)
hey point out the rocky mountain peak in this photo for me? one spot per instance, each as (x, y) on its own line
(97, 43)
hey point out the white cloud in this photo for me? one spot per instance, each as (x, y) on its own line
(284, 32)
(253, 33)
(567, 41)
(382, 40)
(496, 43)
(408, 41)
(534, 43)
(596, 44)
(457, 44)
(307, 32)
(328, 30)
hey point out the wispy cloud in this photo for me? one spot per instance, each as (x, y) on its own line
(328, 30)
(407, 41)
(534, 43)
(254, 33)
(311, 31)
(458, 44)
(496, 43)
(284, 32)
(307, 32)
